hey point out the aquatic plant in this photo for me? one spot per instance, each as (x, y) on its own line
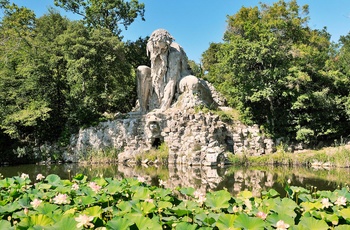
(108, 203)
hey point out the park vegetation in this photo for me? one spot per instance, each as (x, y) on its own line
(130, 203)
(58, 75)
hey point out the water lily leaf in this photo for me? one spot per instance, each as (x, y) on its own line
(100, 181)
(66, 223)
(9, 208)
(80, 177)
(141, 193)
(343, 192)
(299, 190)
(143, 222)
(144, 207)
(226, 221)
(345, 213)
(163, 194)
(342, 227)
(46, 208)
(274, 218)
(187, 191)
(24, 201)
(53, 179)
(308, 206)
(206, 219)
(270, 194)
(286, 206)
(4, 224)
(113, 188)
(185, 226)
(84, 200)
(245, 194)
(186, 207)
(40, 220)
(119, 223)
(218, 200)
(125, 207)
(164, 204)
(243, 221)
(313, 224)
(44, 186)
(5, 183)
(94, 211)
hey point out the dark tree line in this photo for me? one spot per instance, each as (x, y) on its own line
(57, 75)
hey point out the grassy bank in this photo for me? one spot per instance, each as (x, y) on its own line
(326, 157)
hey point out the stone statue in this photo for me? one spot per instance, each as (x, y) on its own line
(169, 64)
(144, 86)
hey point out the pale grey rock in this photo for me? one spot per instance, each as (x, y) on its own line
(167, 97)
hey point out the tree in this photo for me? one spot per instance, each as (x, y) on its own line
(272, 67)
(21, 106)
(136, 53)
(107, 14)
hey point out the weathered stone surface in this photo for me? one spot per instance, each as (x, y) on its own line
(167, 96)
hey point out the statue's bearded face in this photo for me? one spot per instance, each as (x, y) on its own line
(159, 42)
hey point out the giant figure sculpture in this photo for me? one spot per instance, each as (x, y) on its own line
(169, 64)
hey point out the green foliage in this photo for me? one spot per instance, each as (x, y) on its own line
(159, 154)
(337, 157)
(281, 74)
(105, 14)
(58, 75)
(109, 203)
(196, 68)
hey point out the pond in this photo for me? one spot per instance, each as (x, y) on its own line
(234, 179)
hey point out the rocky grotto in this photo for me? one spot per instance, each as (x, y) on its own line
(167, 112)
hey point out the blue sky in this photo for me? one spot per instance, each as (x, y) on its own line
(196, 23)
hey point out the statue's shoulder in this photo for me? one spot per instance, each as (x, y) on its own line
(176, 47)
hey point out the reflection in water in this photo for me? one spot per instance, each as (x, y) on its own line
(234, 179)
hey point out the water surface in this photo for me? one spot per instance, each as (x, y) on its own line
(234, 179)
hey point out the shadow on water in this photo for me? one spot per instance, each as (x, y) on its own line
(234, 179)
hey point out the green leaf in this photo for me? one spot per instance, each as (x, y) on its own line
(342, 227)
(270, 194)
(53, 179)
(66, 223)
(100, 181)
(308, 206)
(186, 207)
(243, 221)
(46, 208)
(164, 204)
(141, 193)
(185, 226)
(187, 191)
(313, 224)
(286, 206)
(218, 200)
(119, 223)
(84, 200)
(345, 213)
(274, 218)
(41, 220)
(226, 221)
(144, 207)
(94, 211)
(124, 207)
(245, 194)
(4, 224)
(143, 222)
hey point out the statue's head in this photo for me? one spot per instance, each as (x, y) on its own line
(159, 42)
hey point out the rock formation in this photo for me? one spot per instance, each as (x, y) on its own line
(168, 94)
